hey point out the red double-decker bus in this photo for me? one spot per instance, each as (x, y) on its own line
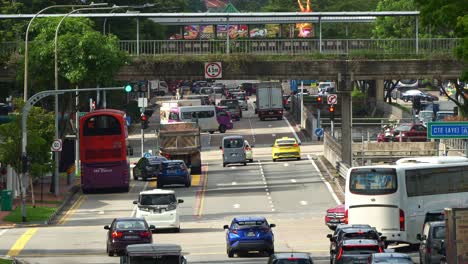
(103, 151)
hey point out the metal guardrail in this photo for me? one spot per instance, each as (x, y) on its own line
(342, 169)
(279, 46)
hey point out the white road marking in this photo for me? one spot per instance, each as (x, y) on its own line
(286, 164)
(293, 180)
(233, 168)
(269, 125)
(234, 183)
(292, 129)
(236, 206)
(330, 189)
(303, 202)
(136, 206)
(273, 135)
(2, 232)
(252, 131)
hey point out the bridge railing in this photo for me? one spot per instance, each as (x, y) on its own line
(290, 46)
(279, 46)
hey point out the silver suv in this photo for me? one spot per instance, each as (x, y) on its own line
(432, 238)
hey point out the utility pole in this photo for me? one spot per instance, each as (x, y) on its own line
(345, 84)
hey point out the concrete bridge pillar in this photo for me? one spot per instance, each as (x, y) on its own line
(380, 91)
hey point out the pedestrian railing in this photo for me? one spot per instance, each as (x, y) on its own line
(280, 46)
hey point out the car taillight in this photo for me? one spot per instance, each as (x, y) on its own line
(340, 254)
(346, 217)
(380, 249)
(234, 231)
(167, 156)
(246, 148)
(145, 234)
(296, 145)
(280, 112)
(293, 259)
(402, 220)
(265, 229)
(117, 234)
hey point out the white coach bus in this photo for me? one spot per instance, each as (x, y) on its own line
(396, 198)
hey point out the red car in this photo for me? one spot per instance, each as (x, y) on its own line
(335, 216)
(410, 132)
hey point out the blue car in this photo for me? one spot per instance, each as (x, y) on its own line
(174, 172)
(249, 234)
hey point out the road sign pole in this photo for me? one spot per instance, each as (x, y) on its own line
(302, 105)
(332, 125)
(318, 121)
(466, 148)
(142, 110)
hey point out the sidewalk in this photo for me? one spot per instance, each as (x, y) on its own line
(48, 199)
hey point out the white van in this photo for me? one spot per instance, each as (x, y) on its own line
(158, 87)
(159, 208)
(204, 115)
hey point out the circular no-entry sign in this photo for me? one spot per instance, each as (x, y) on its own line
(56, 145)
(213, 70)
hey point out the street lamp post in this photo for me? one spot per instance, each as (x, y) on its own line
(26, 39)
(56, 155)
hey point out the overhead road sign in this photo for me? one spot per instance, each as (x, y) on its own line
(441, 130)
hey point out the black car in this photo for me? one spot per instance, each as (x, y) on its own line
(127, 231)
(355, 251)
(290, 258)
(344, 232)
(410, 95)
(147, 168)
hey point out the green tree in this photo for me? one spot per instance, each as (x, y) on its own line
(40, 135)
(449, 18)
(85, 57)
(395, 27)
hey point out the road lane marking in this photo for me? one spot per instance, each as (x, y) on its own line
(200, 197)
(292, 129)
(293, 180)
(21, 242)
(303, 202)
(152, 184)
(196, 179)
(252, 131)
(2, 232)
(330, 189)
(72, 210)
(236, 206)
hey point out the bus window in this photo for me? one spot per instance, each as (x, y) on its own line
(373, 181)
(174, 117)
(101, 126)
(188, 115)
(436, 181)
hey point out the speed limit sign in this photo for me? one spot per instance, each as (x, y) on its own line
(56, 145)
(213, 70)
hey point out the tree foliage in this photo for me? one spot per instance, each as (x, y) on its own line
(85, 57)
(40, 136)
(395, 27)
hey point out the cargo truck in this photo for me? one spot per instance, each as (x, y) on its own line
(181, 141)
(456, 235)
(269, 102)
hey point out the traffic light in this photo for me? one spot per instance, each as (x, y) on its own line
(331, 109)
(128, 88)
(319, 99)
(144, 121)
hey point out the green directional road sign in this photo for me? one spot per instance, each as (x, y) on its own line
(441, 130)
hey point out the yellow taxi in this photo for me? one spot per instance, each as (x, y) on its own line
(286, 148)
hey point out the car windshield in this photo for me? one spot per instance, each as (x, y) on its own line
(403, 128)
(395, 260)
(285, 143)
(249, 224)
(439, 232)
(324, 85)
(158, 259)
(130, 225)
(432, 217)
(373, 181)
(361, 235)
(157, 199)
(173, 165)
(351, 250)
(233, 143)
(292, 260)
(229, 104)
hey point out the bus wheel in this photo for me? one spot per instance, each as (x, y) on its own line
(222, 129)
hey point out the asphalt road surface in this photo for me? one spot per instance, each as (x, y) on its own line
(291, 194)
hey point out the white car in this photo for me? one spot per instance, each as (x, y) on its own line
(243, 104)
(248, 151)
(159, 208)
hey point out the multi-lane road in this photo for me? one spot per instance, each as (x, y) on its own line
(291, 194)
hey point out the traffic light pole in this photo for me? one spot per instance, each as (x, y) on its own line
(142, 110)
